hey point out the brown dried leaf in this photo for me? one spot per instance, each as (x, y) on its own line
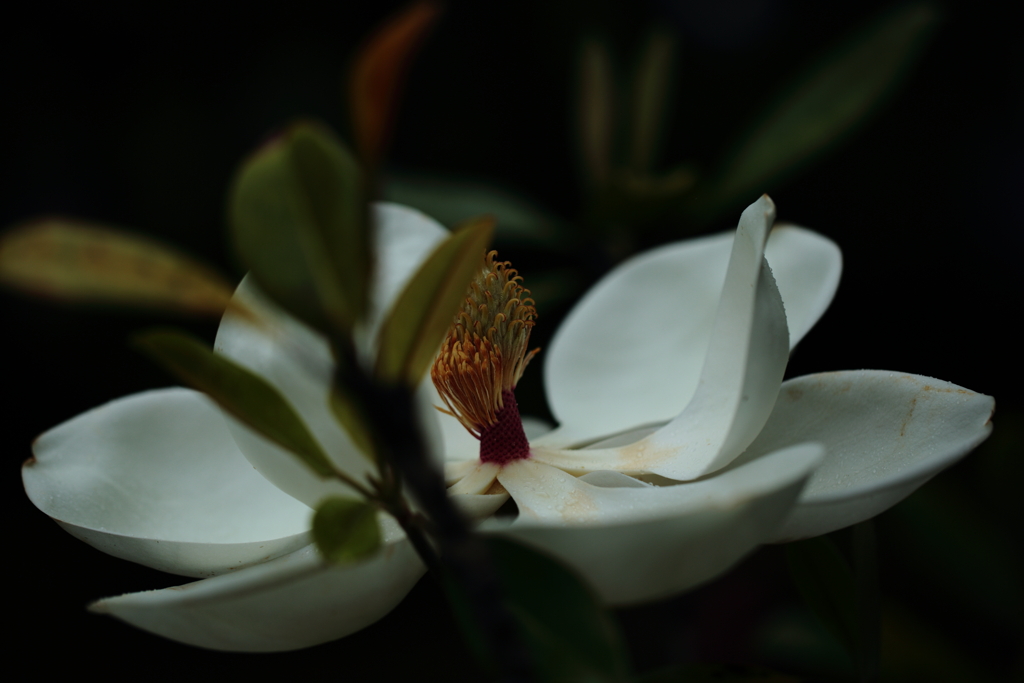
(78, 262)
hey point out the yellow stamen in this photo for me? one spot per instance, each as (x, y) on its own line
(485, 353)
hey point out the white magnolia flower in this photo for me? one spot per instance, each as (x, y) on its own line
(679, 447)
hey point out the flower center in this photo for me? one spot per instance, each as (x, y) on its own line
(482, 359)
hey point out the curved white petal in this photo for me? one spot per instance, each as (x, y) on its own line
(297, 360)
(632, 350)
(288, 603)
(635, 542)
(743, 368)
(885, 434)
(157, 479)
(807, 267)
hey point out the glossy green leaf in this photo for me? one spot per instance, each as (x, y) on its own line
(346, 529)
(298, 218)
(825, 582)
(825, 103)
(415, 327)
(377, 74)
(651, 88)
(246, 396)
(451, 202)
(570, 635)
(78, 262)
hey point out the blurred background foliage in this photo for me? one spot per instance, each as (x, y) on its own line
(138, 118)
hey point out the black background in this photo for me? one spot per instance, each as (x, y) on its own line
(138, 118)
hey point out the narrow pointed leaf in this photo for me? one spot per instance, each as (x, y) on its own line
(827, 586)
(377, 77)
(416, 325)
(348, 411)
(569, 634)
(246, 396)
(346, 529)
(78, 262)
(650, 99)
(596, 112)
(299, 221)
(826, 102)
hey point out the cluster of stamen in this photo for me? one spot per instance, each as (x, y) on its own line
(485, 352)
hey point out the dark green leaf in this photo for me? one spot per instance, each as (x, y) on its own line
(451, 202)
(246, 396)
(825, 103)
(78, 262)
(827, 585)
(298, 219)
(346, 529)
(348, 411)
(651, 87)
(596, 112)
(414, 328)
(568, 632)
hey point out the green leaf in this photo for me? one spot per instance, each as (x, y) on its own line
(377, 75)
(596, 112)
(414, 328)
(246, 396)
(349, 413)
(651, 87)
(298, 218)
(78, 262)
(570, 635)
(825, 582)
(450, 202)
(346, 529)
(825, 103)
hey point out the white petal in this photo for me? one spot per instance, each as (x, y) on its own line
(639, 542)
(744, 365)
(297, 360)
(806, 267)
(157, 479)
(885, 434)
(631, 352)
(288, 603)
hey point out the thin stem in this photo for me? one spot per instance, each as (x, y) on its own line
(399, 442)
(865, 570)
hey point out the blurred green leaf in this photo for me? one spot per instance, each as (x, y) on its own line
(825, 582)
(79, 262)
(415, 327)
(377, 75)
(346, 529)
(651, 88)
(568, 632)
(298, 218)
(246, 396)
(716, 673)
(348, 411)
(596, 112)
(825, 103)
(451, 201)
